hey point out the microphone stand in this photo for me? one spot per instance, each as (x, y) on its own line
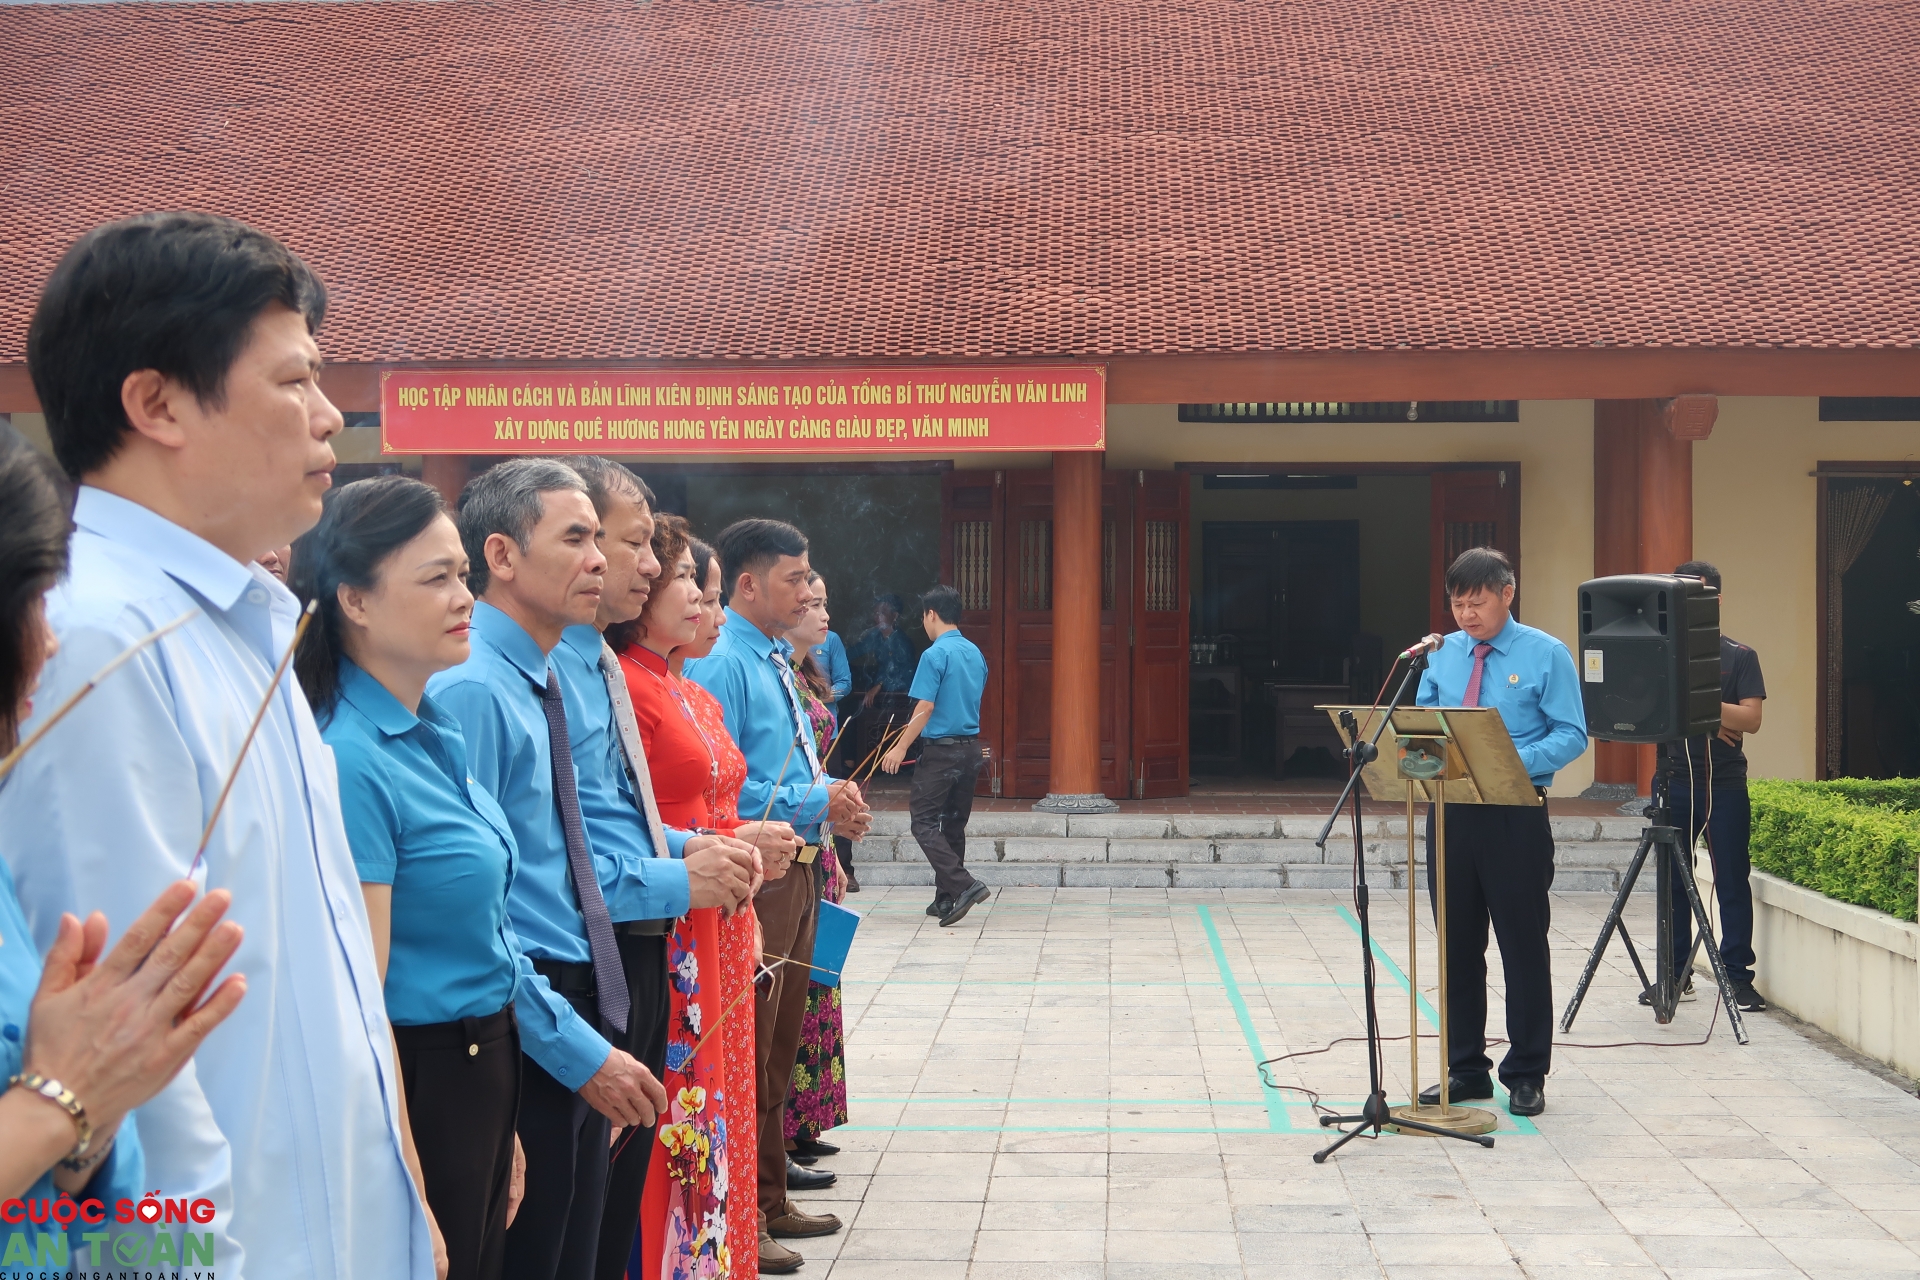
(1375, 1114)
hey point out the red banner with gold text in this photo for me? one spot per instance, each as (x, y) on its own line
(821, 412)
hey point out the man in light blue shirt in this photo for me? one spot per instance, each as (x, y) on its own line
(764, 568)
(196, 454)
(530, 535)
(1500, 857)
(646, 887)
(946, 690)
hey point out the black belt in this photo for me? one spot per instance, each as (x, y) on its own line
(643, 928)
(570, 980)
(953, 740)
(461, 1033)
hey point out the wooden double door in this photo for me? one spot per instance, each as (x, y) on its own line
(997, 550)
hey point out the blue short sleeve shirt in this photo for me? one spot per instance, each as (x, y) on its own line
(417, 821)
(952, 675)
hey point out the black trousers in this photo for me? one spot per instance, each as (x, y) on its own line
(1499, 869)
(645, 960)
(940, 804)
(462, 1081)
(1729, 827)
(557, 1232)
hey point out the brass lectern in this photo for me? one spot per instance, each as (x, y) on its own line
(1432, 747)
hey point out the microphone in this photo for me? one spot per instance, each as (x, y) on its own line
(1426, 644)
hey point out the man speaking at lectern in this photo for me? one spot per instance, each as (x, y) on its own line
(1500, 857)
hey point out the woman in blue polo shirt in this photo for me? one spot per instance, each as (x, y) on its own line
(434, 852)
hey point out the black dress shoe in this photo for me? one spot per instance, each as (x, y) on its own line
(939, 907)
(1459, 1089)
(1524, 1099)
(799, 1158)
(799, 1179)
(812, 1149)
(957, 910)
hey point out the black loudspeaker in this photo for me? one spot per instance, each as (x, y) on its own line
(1650, 657)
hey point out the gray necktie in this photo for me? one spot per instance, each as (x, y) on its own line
(631, 746)
(609, 977)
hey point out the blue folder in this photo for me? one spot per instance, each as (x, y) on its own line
(832, 941)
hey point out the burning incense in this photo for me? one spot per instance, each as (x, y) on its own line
(74, 700)
(260, 713)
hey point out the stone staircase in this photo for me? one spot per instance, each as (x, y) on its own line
(1212, 851)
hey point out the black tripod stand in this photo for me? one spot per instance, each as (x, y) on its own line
(1375, 1114)
(1675, 862)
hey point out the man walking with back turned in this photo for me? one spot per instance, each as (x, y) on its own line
(946, 688)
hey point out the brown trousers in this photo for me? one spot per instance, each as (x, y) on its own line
(789, 912)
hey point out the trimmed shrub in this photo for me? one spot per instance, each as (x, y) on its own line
(1855, 839)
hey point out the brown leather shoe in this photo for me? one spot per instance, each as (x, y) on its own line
(776, 1259)
(795, 1225)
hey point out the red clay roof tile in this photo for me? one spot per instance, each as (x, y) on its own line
(798, 179)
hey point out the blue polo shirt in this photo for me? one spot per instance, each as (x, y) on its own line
(832, 657)
(952, 675)
(418, 822)
(1530, 680)
(744, 673)
(494, 696)
(637, 883)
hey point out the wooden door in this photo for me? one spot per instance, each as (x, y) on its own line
(1027, 645)
(1158, 635)
(1478, 508)
(1287, 592)
(973, 556)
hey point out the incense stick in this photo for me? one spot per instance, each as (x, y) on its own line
(821, 772)
(13, 757)
(880, 755)
(246, 744)
(884, 732)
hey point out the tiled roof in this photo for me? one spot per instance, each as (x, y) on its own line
(976, 178)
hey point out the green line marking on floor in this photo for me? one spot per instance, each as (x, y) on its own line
(1521, 1123)
(1277, 1117)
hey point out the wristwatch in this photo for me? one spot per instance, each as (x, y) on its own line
(60, 1096)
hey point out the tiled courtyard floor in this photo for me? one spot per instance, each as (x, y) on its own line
(1064, 1086)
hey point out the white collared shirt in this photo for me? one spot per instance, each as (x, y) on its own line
(287, 1117)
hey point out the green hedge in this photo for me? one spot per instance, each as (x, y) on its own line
(1854, 839)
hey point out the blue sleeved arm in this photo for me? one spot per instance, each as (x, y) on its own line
(636, 884)
(927, 676)
(553, 1034)
(1566, 716)
(367, 806)
(677, 841)
(839, 673)
(1429, 694)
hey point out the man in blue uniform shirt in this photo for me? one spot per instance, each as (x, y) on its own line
(946, 689)
(529, 532)
(1500, 857)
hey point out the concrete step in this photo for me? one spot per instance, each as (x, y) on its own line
(1181, 875)
(1222, 826)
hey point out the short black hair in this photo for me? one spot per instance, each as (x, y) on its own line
(890, 600)
(1478, 567)
(605, 478)
(508, 499)
(751, 546)
(33, 556)
(1702, 569)
(174, 292)
(360, 525)
(944, 601)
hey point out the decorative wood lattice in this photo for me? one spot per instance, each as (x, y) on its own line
(973, 563)
(1109, 560)
(1163, 566)
(1036, 564)
(1464, 535)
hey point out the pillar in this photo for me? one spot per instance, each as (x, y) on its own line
(446, 472)
(1643, 517)
(1073, 782)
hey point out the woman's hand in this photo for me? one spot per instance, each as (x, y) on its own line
(516, 1181)
(777, 843)
(115, 1031)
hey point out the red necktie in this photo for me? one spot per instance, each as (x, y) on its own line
(1480, 652)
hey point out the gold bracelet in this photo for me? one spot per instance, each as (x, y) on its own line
(60, 1096)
